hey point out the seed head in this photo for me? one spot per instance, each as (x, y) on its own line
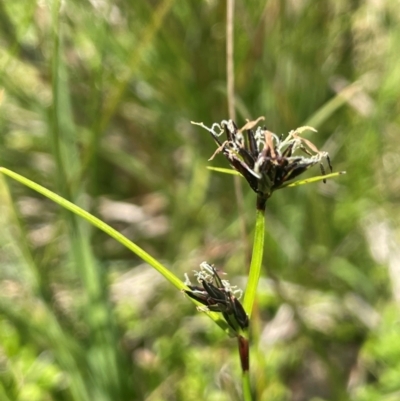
(218, 295)
(264, 159)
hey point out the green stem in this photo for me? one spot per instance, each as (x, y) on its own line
(256, 262)
(246, 386)
(99, 224)
(251, 291)
(243, 349)
(114, 234)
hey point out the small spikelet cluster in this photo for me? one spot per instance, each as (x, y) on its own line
(218, 295)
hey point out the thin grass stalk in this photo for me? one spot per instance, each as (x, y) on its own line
(243, 346)
(99, 224)
(55, 131)
(256, 262)
(249, 299)
(246, 386)
(230, 90)
(230, 71)
(174, 280)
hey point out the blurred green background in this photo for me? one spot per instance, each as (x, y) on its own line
(96, 103)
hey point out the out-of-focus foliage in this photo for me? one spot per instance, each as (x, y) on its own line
(96, 103)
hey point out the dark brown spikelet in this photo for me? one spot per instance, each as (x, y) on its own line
(266, 161)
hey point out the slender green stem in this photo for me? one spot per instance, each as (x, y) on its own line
(250, 294)
(114, 234)
(244, 354)
(99, 224)
(256, 262)
(246, 386)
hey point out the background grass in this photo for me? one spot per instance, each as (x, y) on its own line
(97, 99)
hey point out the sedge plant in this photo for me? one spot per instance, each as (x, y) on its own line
(268, 163)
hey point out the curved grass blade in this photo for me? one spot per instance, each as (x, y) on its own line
(312, 179)
(224, 170)
(174, 280)
(99, 224)
(286, 184)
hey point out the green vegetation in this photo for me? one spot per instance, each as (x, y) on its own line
(96, 103)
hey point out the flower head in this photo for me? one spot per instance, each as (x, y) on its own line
(218, 295)
(264, 159)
